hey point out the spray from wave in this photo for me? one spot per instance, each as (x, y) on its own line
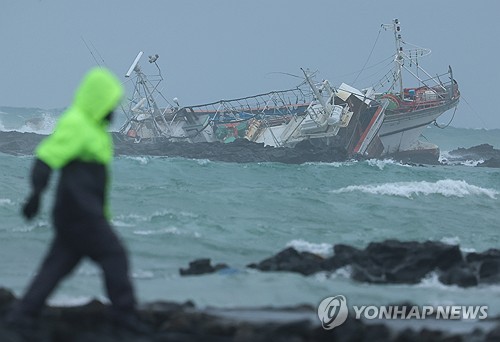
(445, 187)
(322, 249)
(28, 120)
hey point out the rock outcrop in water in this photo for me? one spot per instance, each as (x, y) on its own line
(242, 151)
(486, 152)
(239, 151)
(395, 262)
(167, 321)
(201, 266)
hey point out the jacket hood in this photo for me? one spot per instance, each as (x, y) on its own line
(98, 94)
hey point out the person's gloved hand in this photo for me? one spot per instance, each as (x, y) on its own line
(40, 175)
(30, 207)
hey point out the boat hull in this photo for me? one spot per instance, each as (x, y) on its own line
(400, 132)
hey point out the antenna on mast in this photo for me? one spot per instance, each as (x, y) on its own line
(134, 64)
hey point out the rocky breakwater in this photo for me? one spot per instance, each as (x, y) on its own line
(243, 151)
(239, 151)
(395, 262)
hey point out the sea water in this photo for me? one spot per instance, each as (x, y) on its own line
(170, 211)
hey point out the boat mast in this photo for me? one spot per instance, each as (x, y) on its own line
(143, 82)
(399, 58)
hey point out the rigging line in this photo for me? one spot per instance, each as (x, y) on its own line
(482, 121)
(369, 56)
(391, 57)
(88, 48)
(452, 117)
(418, 47)
(284, 73)
(102, 59)
(378, 72)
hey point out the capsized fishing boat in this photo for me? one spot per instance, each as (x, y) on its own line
(365, 122)
(313, 111)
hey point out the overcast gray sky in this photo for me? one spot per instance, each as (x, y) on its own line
(220, 49)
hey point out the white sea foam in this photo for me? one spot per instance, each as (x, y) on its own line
(42, 125)
(468, 250)
(344, 272)
(455, 240)
(382, 163)
(143, 274)
(124, 220)
(130, 220)
(140, 160)
(170, 230)
(167, 231)
(451, 240)
(322, 249)
(445, 187)
(5, 201)
(448, 159)
(203, 162)
(334, 164)
(37, 224)
(431, 280)
(118, 223)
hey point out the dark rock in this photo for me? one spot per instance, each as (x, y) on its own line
(489, 272)
(166, 321)
(201, 266)
(6, 298)
(462, 275)
(486, 152)
(493, 335)
(239, 151)
(293, 261)
(490, 254)
(407, 262)
(394, 262)
(342, 255)
(492, 162)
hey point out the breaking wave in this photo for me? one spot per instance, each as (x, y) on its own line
(455, 240)
(448, 159)
(445, 187)
(43, 122)
(322, 249)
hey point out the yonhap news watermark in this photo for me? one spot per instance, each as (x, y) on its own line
(333, 311)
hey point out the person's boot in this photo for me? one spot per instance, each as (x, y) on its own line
(23, 324)
(129, 321)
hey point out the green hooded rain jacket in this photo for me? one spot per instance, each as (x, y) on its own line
(82, 148)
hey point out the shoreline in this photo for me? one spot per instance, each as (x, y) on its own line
(386, 262)
(168, 321)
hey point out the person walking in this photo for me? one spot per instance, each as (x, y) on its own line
(82, 149)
